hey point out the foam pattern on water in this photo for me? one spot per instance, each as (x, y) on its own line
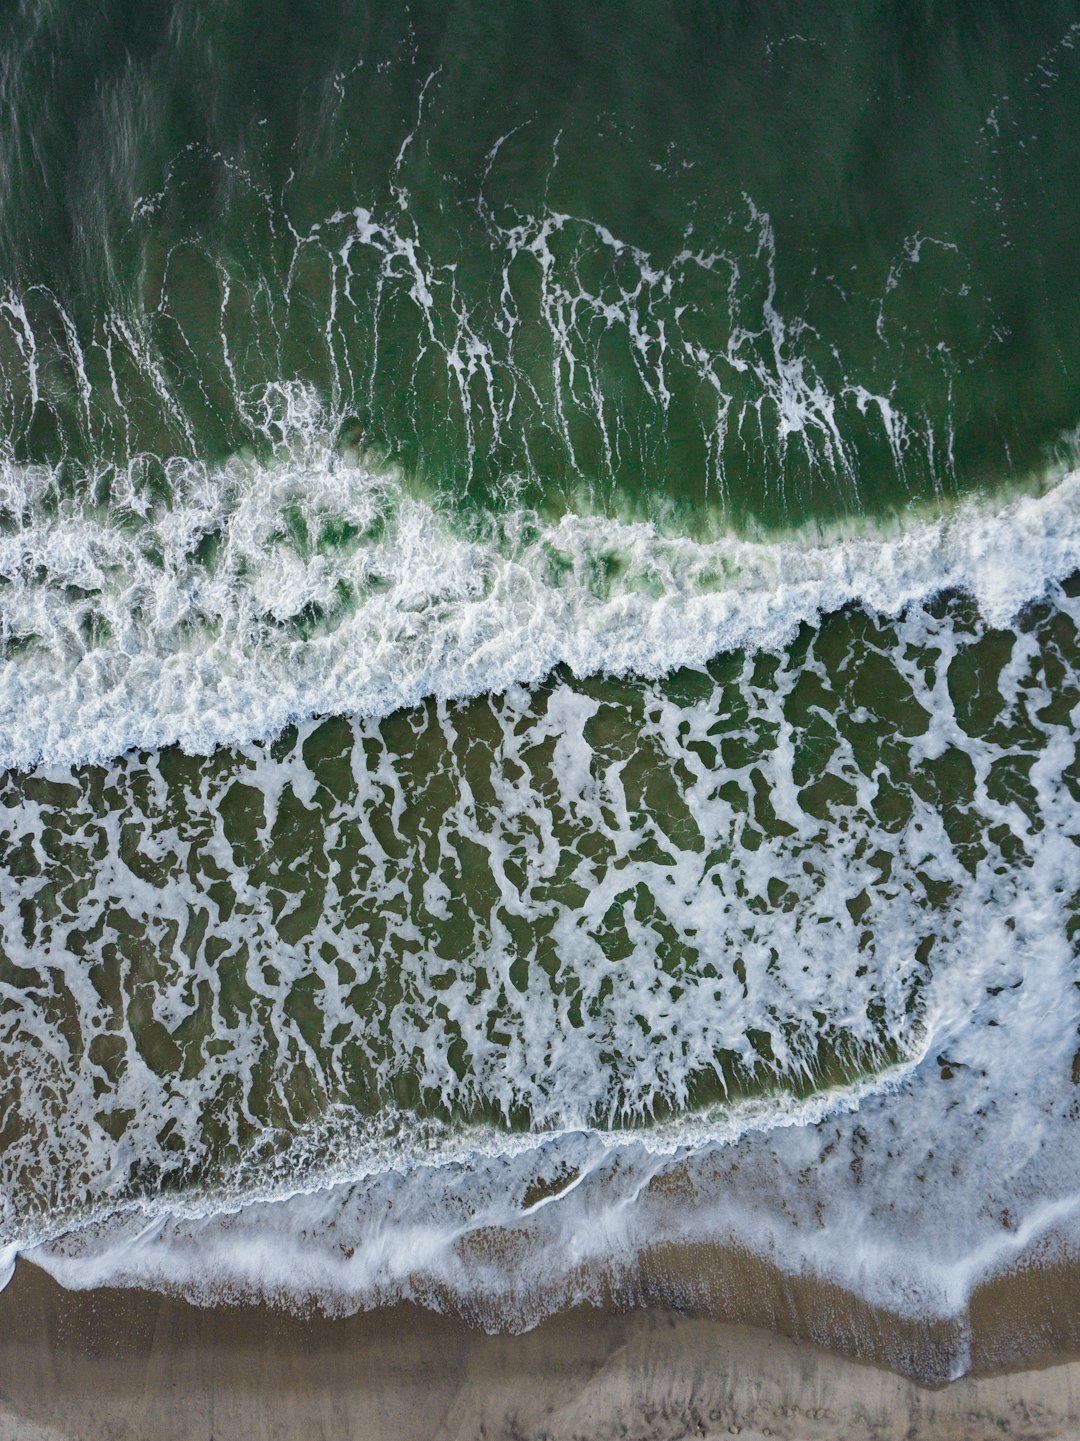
(259, 595)
(377, 944)
(502, 351)
(538, 673)
(357, 436)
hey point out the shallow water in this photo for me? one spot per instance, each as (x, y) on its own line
(539, 633)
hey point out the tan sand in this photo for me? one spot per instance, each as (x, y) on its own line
(134, 1366)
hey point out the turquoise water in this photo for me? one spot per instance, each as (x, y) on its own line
(537, 642)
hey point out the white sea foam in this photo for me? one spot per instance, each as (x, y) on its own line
(161, 598)
(908, 1189)
(909, 1197)
(160, 601)
(126, 638)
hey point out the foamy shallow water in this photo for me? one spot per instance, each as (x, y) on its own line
(839, 879)
(538, 648)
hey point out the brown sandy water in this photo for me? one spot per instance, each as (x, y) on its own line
(130, 1365)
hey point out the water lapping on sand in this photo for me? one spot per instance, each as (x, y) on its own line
(538, 655)
(818, 907)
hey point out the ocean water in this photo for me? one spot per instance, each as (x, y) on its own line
(539, 658)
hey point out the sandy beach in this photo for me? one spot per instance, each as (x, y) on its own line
(135, 1366)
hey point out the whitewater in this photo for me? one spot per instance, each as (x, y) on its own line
(839, 1182)
(539, 657)
(316, 584)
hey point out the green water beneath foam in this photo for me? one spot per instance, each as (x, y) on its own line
(653, 260)
(733, 267)
(596, 902)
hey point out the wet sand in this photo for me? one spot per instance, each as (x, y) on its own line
(115, 1365)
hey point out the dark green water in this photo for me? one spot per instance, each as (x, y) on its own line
(751, 261)
(538, 630)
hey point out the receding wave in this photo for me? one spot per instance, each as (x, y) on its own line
(590, 941)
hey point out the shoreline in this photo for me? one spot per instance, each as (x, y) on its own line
(136, 1365)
